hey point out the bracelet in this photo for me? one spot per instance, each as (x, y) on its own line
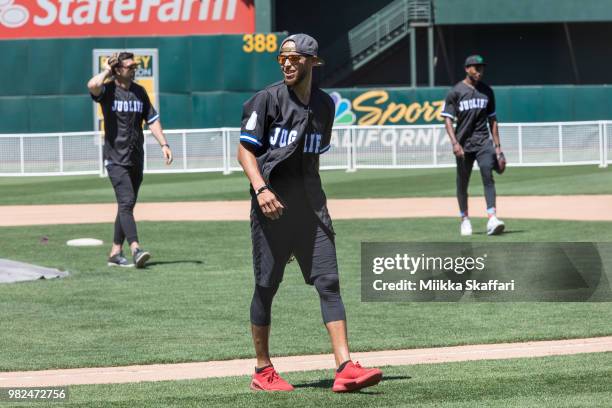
(498, 145)
(261, 190)
(165, 145)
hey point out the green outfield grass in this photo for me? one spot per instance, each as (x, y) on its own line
(337, 184)
(192, 303)
(563, 381)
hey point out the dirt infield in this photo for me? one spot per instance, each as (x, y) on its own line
(577, 207)
(167, 372)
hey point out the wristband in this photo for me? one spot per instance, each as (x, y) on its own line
(498, 145)
(165, 145)
(261, 190)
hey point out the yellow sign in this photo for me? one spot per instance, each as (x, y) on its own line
(146, 76)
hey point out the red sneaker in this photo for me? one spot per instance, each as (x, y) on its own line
(354, 377)
(269, 380)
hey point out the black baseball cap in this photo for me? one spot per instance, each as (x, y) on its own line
(306, 45)
(474, 60)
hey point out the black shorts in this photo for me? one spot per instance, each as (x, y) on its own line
(298, 232)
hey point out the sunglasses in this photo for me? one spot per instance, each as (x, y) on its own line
(293, 59)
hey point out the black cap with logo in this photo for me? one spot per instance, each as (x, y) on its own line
(474, 60)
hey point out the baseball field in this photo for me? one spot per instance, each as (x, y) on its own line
(191, 303)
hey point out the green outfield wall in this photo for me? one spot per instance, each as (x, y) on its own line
(202, 79)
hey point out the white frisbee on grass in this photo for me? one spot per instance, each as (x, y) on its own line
(84, 242)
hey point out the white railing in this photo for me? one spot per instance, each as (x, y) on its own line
(353, 147)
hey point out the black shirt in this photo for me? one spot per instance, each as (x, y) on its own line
(287, 138)
(124, 113)
(471, 108)
(287, 179)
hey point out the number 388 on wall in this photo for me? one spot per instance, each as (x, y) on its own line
(259, 43)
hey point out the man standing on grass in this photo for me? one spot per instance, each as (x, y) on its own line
(472, 104)
(285, 128)
(125, 106)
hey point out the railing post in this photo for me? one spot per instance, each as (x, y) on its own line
(434, 139)
(393, 151)
(606, 147)
(226, 151)
(21, 155)
(184, 142)
(346, 140)
(560, 143)
(98, 137)
(61, 153)
(229, 151)
(352, 151)
(603, 144)
(145, 153)
(600, 144)
(520, 143)
(354, 144)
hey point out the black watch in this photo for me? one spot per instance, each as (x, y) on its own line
(165, 145)
(261, 190)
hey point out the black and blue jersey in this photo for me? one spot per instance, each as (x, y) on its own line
(287, 138)
(471, 107)
(125, 111)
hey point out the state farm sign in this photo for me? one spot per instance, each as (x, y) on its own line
(120, 18)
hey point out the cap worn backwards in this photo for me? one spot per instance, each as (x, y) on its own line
(306, 45)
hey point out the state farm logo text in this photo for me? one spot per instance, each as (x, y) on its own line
(92, 12)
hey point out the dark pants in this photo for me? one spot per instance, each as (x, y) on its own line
(126, 182)
(298, 232)
(486, 162)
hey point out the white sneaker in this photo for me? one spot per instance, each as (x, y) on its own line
(495, 226)
(466, 227)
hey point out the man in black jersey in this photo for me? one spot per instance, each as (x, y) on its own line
(472, 104)
(285, 128)
(125, 106)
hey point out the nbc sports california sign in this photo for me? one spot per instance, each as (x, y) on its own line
(121, 18)
(372, 108)
(398, 106)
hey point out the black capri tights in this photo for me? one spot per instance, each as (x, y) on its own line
(328, 286)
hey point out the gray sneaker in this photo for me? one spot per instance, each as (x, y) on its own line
(141, 257)
(119, 260)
